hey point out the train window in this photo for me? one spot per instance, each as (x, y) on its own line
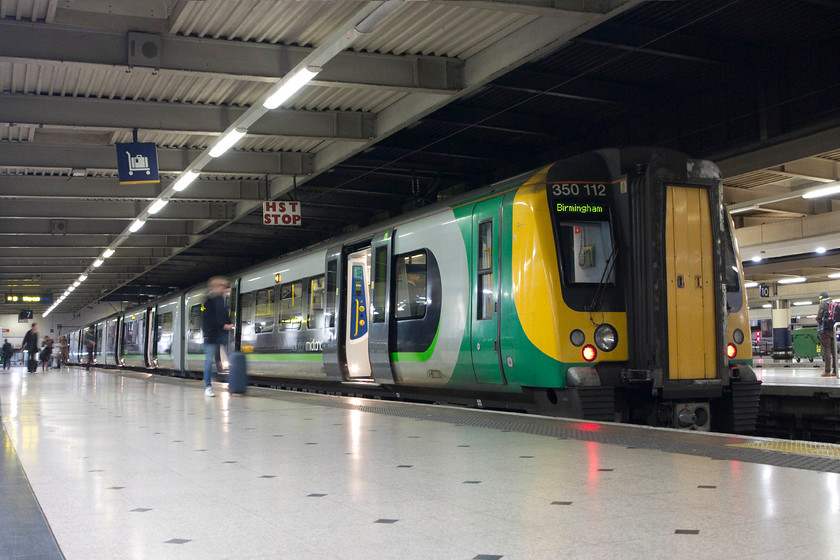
(164, 333)
(246, 310)
(290, 301)
(411, 286)
(379, 283)
(329, 308)
(586, 249)
(484, 305)
(195, 318)
(315, 317)
(264, 318)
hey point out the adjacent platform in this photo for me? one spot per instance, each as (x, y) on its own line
(136, 466)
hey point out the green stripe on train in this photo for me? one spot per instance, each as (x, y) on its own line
(417, 356)
(285, 357)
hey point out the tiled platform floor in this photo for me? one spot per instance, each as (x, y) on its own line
(139, 467)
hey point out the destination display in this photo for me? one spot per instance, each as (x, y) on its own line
(579, 200)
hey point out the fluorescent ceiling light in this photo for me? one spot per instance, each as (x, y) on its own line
(756, 258)
(135, 225)
(157, 205)
(825, 190)
(802, 303)
(290, 87)
(751, 285)
(743, 209)
(820, 250)
(108, 252)
(184, 180)
(794, 280)
(71, 288)
(97, 263)
(227, 141)
(83, 277)
(76, 284)
(767, 306)
(834, 275)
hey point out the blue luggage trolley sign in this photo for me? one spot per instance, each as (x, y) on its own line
(137, 163)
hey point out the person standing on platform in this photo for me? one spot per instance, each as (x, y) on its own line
(825, 329)
(46, 353)
(7, 353)
(215, 324)
(90, 342)
(30, 345)
(63, 352)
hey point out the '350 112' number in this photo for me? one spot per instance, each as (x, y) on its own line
(577, 189)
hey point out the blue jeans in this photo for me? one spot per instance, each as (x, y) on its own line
(209, 360)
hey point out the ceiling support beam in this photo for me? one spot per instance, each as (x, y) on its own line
(217, 58)
(87, 188)
(180, 117)
(170, 160)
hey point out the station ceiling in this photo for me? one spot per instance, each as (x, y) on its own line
(434, 98)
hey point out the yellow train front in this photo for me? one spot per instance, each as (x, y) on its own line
(625, 270)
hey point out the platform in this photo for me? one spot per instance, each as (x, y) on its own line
(128, 465)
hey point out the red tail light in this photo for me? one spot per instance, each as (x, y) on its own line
(731, 351)
(589, 353)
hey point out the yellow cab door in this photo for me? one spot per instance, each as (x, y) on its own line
(692, 344)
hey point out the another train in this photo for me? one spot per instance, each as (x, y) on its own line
(606, 287)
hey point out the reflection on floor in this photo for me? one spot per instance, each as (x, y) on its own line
(132, 466)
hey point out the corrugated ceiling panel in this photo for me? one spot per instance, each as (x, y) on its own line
(272, 21)
(416, 28)
(142, 84)
(16, 133)
(31, 10)
(441, 29)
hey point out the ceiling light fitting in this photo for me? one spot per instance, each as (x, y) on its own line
(184, 180)
(290, 87)
(825, 190)
(158, 205)
(227, 141)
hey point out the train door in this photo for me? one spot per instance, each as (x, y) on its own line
(357, 323)
(690, 280)
(333, 313)
(381, 323)
(484, 332)
(151, 337)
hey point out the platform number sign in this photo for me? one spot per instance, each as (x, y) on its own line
(763, 290)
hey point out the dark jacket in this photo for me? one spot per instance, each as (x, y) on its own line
(30, 342)
(7, 350)
(213, 320)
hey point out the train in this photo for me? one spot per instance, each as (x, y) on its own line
(603, 287)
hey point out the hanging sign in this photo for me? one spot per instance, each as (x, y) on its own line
(137, 163)
(281, 213)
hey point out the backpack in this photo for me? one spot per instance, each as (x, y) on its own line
(832, 315)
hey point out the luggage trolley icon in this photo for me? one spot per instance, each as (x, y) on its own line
(138, 163)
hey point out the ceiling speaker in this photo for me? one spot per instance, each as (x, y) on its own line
(58, 227)
(144, 49)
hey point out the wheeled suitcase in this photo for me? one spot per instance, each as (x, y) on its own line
(237, 373)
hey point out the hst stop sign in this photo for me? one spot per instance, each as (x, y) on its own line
(281, 213)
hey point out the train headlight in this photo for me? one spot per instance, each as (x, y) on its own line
(589, 353)
(606, 337)
(738, 336)
(577, 337)
(731, 351)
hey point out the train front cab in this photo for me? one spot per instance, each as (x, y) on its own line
(667, 300)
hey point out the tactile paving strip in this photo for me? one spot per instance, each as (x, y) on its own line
(815, 449)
